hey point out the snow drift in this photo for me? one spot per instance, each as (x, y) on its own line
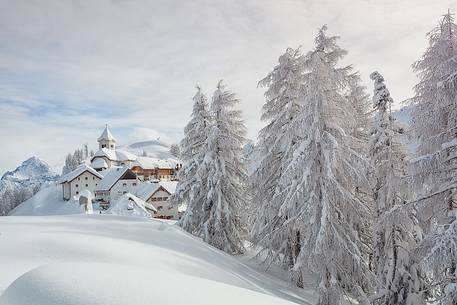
(48, 201)
(104, 259)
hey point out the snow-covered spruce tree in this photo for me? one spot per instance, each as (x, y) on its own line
(188, 190)
(280, 110)
(223, 175)
(433, 173)
(360, 136)
(435, 114)
(397, 277)
(320, 217)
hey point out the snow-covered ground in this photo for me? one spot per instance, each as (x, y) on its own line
(48, 201)
(105, 259)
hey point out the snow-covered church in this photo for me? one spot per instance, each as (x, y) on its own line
(114, 172)
(107, 154)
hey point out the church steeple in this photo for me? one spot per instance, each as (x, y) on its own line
(106, 140)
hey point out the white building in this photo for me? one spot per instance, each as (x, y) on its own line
(82, 178)
(108, 156)
(157, 194)
(116, 182)
(130, 205)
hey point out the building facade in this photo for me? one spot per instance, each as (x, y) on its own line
(116, 182)
(157, 193)
(82, 178)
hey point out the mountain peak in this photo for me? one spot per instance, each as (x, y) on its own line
(31, 168)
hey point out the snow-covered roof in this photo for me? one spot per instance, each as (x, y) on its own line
(77, 172)
(115, 155)
(106, 135)
(99, 163)
(110, 177)
(170, 186)
(130, 205)
(146, 189)
(149, 163)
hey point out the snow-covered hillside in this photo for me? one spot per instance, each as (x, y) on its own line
(21, 183)
(153, 148)
(48, 201)
(104, 259)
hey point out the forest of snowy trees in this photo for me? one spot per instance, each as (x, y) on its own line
(335, 196)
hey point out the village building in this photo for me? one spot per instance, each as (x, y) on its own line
(107, 155)
(116, 182)
(82, 178)
(152, 169)
(157, 193)
(131, 205)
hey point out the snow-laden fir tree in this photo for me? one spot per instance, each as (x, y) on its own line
(397, 276)
(280, 110)
(223, 175)
(189, 188)
(360, 136)
(318, 223)
(435, 112)
(175, 150)
(433, 172)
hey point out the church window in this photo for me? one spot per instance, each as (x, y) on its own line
(87, 178)
(87, 185)
(76, 185)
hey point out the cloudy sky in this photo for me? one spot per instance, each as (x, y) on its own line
(68, 67)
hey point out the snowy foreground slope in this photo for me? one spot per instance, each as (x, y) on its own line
(104, 259)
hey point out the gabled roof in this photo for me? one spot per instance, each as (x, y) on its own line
(99, 163)
(151, 163)
(115, 155)
(106, 135)
(148, 189)
(113, 175)
(77, 172)
(129, 204)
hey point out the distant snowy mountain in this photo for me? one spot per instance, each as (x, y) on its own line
(153, 148)
(20, 184)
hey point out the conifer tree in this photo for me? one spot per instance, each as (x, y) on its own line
(223, 175)
(318, 222)
(280, 110)
(397, 276)
(189, 188)
(433, 172)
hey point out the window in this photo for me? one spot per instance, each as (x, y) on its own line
(159, 207)
(87, 185)
(76, 185)
(79, 178)
(77, 193)
(87, 178)
(134, 184)
(124, 192)
(124, 184)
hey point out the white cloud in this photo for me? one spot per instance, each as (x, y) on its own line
(69, 67)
